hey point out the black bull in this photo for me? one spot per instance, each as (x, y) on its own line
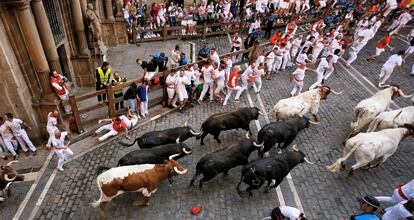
(235, 119)
(167, 136)
(273, 170)
(280, 132)
(221, 161)
(155, 155)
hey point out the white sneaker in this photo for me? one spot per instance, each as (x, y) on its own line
(60, 169)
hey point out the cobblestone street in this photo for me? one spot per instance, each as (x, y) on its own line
(323, 195)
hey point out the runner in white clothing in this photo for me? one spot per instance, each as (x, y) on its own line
(401, 193)
(219, 77)
(15, 125)
(131, 119)
(258, 73)
(297, 78)
(322, 68)
(388, 67)
(287, 213)
(8, 140)
(180, 84)
(400, 22)
(208, 82)
(61, 150)
(170, 82)
(403, 210)
(51, 126)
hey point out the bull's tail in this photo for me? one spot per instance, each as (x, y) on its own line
(335, 167)
(239, 191)
(101, 169)
(129, 145)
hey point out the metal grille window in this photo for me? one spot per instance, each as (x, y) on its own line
(55, 20)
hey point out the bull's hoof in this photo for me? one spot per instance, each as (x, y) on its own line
(267, 189)
(343, 167)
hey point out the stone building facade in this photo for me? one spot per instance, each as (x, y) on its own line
(38, 36)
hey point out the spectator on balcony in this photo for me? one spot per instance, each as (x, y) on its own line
(103, 73)
(117, 80)
(59, 85)
(161, 15)
(172, 11)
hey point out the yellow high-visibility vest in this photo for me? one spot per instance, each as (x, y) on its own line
(118, 91)
(104, 77)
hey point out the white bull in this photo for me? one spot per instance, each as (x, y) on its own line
(307, 102)
(369, 108)
(371, 149)
(392, 119)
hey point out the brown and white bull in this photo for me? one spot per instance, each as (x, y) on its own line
(307, 102)
(369, 108)
(392, 119)
(143, 178)
(8, 176)
(371, 149)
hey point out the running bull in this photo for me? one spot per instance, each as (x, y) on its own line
(144, 178)
(235, 119)
(167, 136)
(155, 155)
(8, 176)
(272, 169)
(280, 132)
(221, 161)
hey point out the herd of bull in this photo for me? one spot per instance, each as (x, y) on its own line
(135, 172)
(143, 170)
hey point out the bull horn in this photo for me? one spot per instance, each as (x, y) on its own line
(195, 133)
(174, 155)
(248, 135)
(185, 124)
(258, 145)
(8, 179)
(177, 140)
(180, 172)
(308, 162)
(185, 151)
(262, 113)
(295, 147)
(403, 95)
(313, 122)
(335, 92)
(12, 162)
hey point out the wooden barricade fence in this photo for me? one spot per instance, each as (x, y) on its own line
(111, 100)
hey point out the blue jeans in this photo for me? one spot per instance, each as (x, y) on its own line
(133, 104)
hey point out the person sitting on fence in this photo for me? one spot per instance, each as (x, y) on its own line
(130, 119)
(116, 126)
(149, 68)
(59, 85)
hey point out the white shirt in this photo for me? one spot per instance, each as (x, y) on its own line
(170, 80)
(270, 57)
(405, 18)
(302, 57)
(207, 73)
(215, 57)
(367, 34)
(220, 77)
(290, 212)
(260, 59)
(180, 82)
(299, 74)
(236, 41)
(175, 57)
(247, 72)
(5, 132)
(59, 142)
(408, 189)
(51, 123)
(323, 66)
(189, 74)
(392, 62)
(16, 126)
(392, 3)
(161, 12)
(396, 212)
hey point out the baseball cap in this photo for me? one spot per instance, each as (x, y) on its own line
(370, 200)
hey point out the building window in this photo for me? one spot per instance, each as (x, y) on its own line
(55, 20)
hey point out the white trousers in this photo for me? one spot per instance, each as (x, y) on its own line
(269, 65)
(133, 104)
(63, 154)
(412, 70)
(297, 88)
(144, 108)
(286, 60)
(327, 75)
(353, 55)
(10, 145)
(111, 132)
(24, 140)
(67, 107)
(394, 199)
(384, 75)
(319, 79)
(277, 63)
(238, 89)
(257, 84)
(51, 134)
(208, 86)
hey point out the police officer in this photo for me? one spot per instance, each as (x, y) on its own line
(103, 73)
(116, 80)
(368, 205)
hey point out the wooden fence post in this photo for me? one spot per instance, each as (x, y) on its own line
(204, 29)
(111, 101)
(75, 111)
(164, 32)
